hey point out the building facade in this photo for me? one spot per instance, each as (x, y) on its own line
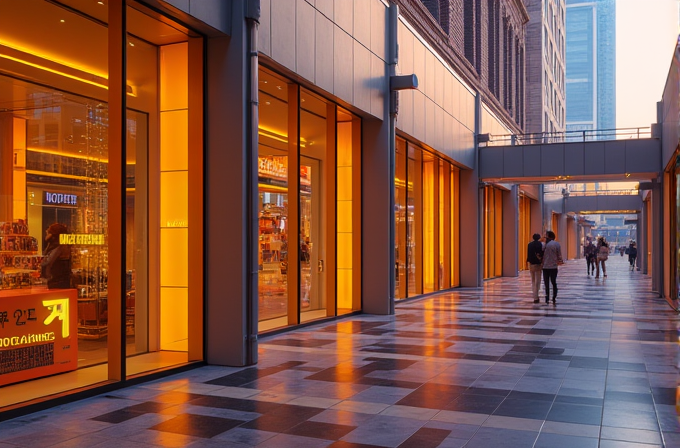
(591, 65)
(546, 67)
(223, 169)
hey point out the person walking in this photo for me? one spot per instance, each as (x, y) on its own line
(590, 253)
(602, 256)
(552, 257)
(534, 259)
(632, 255)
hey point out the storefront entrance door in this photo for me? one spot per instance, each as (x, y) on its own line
(312, 243)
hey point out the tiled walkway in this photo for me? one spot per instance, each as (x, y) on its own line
(474, 368)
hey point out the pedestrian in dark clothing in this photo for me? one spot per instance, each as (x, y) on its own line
(590, 252)
(632, 255)
(535, 259)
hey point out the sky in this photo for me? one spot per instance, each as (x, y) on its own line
(646, 34)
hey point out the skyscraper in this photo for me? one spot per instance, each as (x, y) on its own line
(591, 65)
(545, 66)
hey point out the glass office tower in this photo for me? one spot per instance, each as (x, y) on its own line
(591, 65)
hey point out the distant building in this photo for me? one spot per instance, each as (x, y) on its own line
(591, 65)
(545, 84)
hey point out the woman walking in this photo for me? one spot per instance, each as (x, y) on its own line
(602, 256)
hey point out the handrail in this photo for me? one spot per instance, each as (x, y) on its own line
(539, 138)
(628, 192)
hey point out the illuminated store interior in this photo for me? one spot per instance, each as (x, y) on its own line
(57, 159)
(309, 205)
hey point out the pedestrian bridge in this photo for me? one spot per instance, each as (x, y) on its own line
(597, 202)
(582, 156)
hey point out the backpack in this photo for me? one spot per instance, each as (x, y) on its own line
(603, 253)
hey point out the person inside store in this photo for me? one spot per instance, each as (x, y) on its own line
(56, 266)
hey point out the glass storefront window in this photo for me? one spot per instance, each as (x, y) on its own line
(309, 218)
(56, 159)
(426, 213)
(493, 232)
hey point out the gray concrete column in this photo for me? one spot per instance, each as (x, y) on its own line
(375, 266)
(511, 232)
(472, 217)
(226, 230)
(642, 240)
(657, 232)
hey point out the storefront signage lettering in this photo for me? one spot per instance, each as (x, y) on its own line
(58, 310)
(60, 198)
(273, 167)
(83, 239)
(27, 339)
(177, 223)
(38, 334)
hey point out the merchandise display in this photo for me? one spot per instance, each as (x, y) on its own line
(19, 259)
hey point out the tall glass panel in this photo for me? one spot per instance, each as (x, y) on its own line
(430, 170)
(400, 215)
(348, 209)
(53, 198)
(273, 200)
(444, 225)
(158, 297)
(455, 227)
(498, 232)
(414, 230)
(313, 204)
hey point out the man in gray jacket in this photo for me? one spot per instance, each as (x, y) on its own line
(552, 257)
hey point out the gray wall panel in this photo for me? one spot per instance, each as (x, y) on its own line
(324, 49)
(491, 159)
(264, 38)
(639, 153)
(362, 77)
(614, 157)
(513, 163)
(532, 160)
(379, 85)
(305, 37)
(325, 7)
(447, 96)
(344, 15)
(283, 32)
(574, 159)
(552, 160)
(405, 117)
(419, 115)
(427, 86)
(343, 63)
(594, 158)
(362, 21)
(216, 13)
(430, 123)
(378, 29)
(439, 84)
(439, 129)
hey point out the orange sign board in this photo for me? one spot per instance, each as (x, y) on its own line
(38, 333)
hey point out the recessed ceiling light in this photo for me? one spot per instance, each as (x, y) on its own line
(267, 103)
(100, 3)
(131, 44)
(62, 20)
(279, 87)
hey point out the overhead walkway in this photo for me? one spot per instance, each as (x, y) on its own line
(583, 156)
(597, 202)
